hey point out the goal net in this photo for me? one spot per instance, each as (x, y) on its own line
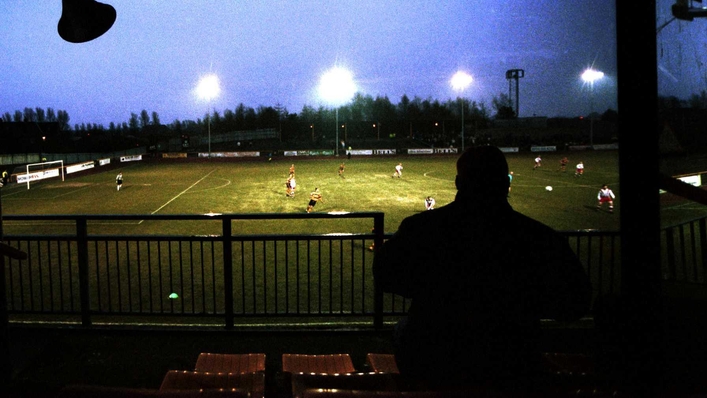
(41, 171)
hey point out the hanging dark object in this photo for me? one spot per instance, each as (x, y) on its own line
(84, 20)
(686, 10)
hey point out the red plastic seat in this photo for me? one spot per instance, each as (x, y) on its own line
(382, 363)
(254, 383)
(230, 363)
(328, 363)
(339, 393)
(302, 382)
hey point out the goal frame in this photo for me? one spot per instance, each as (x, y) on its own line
(60, 167)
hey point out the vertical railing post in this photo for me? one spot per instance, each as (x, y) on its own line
(82, 246)
(5, 361)
(703, 247)
(670, 250)
(227, 271)
(377, 289)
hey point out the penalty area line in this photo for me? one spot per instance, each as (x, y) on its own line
(73, 191)
(181, 193)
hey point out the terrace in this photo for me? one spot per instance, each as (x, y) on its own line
(128, 335)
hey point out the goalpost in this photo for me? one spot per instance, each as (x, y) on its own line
(41, 171)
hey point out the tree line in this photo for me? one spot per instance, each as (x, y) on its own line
(364, 117)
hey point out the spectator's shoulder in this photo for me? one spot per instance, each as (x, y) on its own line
(428, 218)
(542, 235)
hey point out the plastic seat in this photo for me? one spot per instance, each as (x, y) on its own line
(569, 372)
(339, 393)
(90, 391)
(382, 363)
(230, 363)
(254, 382)
(568, 364)
(344, 381)
(328, 363)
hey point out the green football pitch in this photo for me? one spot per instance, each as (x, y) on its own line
(257, 186)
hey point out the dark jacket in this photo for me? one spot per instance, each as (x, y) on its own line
(481, 276)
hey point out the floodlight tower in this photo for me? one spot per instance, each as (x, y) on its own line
(460, 81)
(337, 87)
(590, 76)
(208, 89)
(515, 74)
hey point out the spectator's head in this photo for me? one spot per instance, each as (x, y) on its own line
(482, 171)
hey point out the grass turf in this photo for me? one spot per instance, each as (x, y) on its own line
(172, 187)
(258, 186)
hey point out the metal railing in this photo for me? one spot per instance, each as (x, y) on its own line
(685, 252)
(232, 277)
(222, 275)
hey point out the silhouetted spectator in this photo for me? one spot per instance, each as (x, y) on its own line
(481, 277)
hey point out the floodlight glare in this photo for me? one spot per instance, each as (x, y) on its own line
(208, 87)
(461, 80)
(337, 86)
(591, 75)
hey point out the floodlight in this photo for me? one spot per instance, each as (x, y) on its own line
(337, 86)
(591, 75)
(460, 81)
(208, 87)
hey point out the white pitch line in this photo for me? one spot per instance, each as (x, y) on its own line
(427, 174)
(565, 183)
(180, 194)
(4, 195)
(228, 182)
(73, 191)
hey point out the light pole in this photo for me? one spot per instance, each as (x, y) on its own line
(460, 81)
(337, 87)
(590, 76)
(208, 89)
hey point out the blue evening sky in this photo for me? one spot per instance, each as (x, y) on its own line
(270, 52)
